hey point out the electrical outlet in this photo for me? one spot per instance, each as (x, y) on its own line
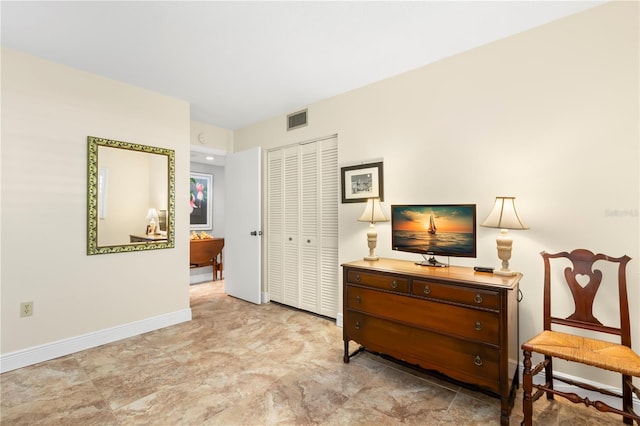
(26, 309)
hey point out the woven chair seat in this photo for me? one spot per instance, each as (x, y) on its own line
(594, 352)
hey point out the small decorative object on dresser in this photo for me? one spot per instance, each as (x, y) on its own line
(459, 322)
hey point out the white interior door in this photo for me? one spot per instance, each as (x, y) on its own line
(242, 267)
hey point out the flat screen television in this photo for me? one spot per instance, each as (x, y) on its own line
(434, 230)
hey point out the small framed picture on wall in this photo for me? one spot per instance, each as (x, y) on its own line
(361, 182)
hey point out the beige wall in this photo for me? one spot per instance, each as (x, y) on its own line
(48, 110)
(205, 136)
(549, 116)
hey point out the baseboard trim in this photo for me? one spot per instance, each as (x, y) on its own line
(25, 357)
(200, 275)
(593, 396)
(339, 320)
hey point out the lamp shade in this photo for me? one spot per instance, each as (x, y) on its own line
(373, 212)
(504, 215)
(152, 214)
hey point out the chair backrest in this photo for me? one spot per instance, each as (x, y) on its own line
(584, 291)
(205, 252)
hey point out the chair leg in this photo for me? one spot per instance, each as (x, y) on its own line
(527, 388)
(627, 398)
(548, 375)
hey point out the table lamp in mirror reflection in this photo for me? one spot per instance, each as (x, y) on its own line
(152, 216)
(504, 216)
(372, 214)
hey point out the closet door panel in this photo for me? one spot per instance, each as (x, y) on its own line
(328, 220)
(291, 214)
(275, 228)
(309, 220)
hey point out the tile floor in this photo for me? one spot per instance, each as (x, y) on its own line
(240, 364)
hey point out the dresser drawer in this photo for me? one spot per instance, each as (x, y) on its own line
(459, 294)
(466, 361)
(482, 326)
(378, 280)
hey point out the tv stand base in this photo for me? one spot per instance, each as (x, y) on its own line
(432, 262)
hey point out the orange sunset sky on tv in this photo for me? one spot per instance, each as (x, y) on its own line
(446, 220)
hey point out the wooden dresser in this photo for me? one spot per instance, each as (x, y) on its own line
(459, 322)
(147, 238)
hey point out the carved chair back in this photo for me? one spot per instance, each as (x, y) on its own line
(584, 283)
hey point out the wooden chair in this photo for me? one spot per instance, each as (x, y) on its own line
(207, 252)
(616, 357)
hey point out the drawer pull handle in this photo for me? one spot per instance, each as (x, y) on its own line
(290, 239)
(394, 284)
(309, 241)
(478, 298)
(358, 277)
(358, 299)
(427, 290)
(357, 325)
(478, 326)
(478, 361)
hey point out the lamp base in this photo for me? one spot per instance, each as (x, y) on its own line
(371, 258)
(504, 273)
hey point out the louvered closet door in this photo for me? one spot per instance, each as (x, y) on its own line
(275, 225)
(291, 204)
(309, 194)
(302, 262)
(283, 226)
(319, 227)
(328, 226)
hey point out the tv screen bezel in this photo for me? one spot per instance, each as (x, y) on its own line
(435, 252)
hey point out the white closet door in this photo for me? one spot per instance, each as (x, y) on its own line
(291, 227)
(275, 225)
(328, 226)
(309, 265)
(303, 191)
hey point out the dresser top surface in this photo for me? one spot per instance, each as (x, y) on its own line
(451, 273)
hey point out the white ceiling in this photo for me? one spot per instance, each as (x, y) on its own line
(238, 63)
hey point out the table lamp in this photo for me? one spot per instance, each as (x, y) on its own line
(152, 214)
(505, 217)
(372, 214)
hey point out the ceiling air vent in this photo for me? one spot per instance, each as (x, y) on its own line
(297, 119)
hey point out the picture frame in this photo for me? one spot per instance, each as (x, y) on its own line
(200, 201)
(361, 182)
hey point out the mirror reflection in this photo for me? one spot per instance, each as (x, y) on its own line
(131, 197)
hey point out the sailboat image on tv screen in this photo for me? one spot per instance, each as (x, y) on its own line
(432, 226)
(434, 230)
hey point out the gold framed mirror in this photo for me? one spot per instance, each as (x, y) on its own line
(130, 197)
